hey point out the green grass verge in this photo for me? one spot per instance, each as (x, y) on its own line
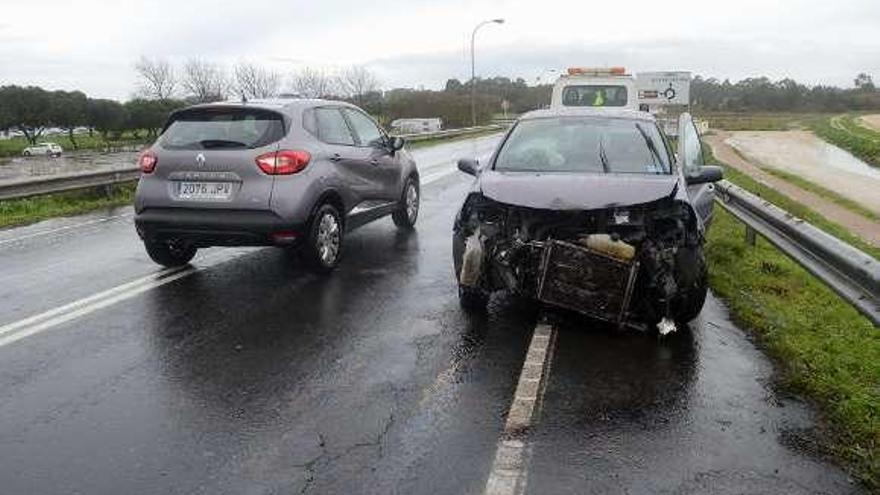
(29, 210)
(826, 349)
(844, 132)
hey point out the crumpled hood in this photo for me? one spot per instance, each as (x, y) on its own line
(563, 191)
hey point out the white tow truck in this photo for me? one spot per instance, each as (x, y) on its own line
(663, 94)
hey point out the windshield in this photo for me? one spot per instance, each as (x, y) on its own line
(594, 95)
(584, 144)
(218, 128)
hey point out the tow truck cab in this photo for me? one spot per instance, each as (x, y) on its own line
(595, 87)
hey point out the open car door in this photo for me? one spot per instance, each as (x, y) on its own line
(690, 156)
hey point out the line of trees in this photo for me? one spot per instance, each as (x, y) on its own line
(763, 94)
(162, 88)
(31, 110)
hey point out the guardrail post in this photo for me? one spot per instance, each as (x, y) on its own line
(751, 236)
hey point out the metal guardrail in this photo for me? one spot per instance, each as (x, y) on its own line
(449, 133)
(35, 186)
(848, 271)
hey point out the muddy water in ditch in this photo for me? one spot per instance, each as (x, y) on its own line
(803, 154)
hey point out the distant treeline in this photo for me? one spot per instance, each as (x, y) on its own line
(762, 94)
(30, 110)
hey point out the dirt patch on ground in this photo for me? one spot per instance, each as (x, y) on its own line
(865, 228)
(872, 121)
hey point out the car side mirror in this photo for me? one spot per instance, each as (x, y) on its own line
(396, 143)
(706, 174)
(469, 166)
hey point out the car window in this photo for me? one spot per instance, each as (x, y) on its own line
(332, 128)
(693, 155)
(367, 132)
(222, 128)
(594, 96)
(581, 144)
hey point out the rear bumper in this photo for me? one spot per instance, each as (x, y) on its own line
(205, 228)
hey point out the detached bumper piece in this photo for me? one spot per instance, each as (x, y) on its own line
(581, 279)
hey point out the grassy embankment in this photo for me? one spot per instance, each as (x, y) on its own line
(29, 210)
(827, 351)
(845, 132)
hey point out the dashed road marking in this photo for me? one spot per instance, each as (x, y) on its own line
(65, 228)
(15, 331)
(508, 473)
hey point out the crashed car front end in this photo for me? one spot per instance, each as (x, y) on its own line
(634, 265)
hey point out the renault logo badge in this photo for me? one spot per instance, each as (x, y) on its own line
(200, 160)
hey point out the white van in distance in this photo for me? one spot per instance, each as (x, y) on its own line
(595, 87)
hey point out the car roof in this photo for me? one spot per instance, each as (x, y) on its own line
(606, 112)
(276, 104)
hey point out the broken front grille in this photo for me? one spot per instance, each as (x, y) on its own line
(583, 280)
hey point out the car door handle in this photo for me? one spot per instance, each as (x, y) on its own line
(374, 161)
(336, 157)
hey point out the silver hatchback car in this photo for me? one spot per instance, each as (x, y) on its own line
(291, 173)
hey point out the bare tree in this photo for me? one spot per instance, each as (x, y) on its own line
(205, 81)
(253, 81)
(356, 81)
(157, 80)
(313, 83)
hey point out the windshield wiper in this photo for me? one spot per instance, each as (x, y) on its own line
(655, 155)
(603, 158)
(221, 143)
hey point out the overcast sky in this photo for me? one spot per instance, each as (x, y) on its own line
(92, 45)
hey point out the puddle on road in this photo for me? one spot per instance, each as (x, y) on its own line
(803, 154)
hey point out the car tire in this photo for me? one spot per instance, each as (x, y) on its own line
(472, 300)
(408, 211)
(26, 153)
(693, 278)
(170, 253)
(323, 245)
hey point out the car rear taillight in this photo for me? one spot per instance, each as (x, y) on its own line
(284, 162)
(147, 162)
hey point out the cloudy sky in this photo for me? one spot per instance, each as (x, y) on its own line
(92, 45)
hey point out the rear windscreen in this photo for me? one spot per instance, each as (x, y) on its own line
(222, 128)
(594, 96)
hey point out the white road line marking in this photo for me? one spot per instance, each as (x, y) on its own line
(61, 229)
(15, 331)
(508, 473)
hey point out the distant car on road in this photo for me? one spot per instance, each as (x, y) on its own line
(47, 149)
(587, 209)
(292, 173)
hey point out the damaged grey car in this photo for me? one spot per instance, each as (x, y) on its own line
(589, 210)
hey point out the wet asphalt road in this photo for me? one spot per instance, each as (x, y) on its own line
(250, 375)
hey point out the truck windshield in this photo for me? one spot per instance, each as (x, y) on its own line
(594, 96)
(584, 144)
(222, 128)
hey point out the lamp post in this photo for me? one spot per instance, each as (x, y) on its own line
(474, 69)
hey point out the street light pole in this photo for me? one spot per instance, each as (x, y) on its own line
(474, 69)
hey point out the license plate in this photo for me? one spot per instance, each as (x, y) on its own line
(204, 190)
